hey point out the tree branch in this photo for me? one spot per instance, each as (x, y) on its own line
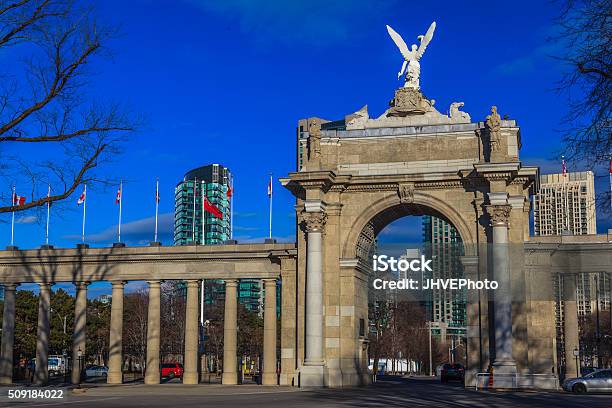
(88, 165)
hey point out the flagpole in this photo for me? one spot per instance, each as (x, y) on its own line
(271, 205)
(13, 217)
(84, 205)
(195, 183)
(203, 192)
(120, 201)
(156, 206)
(232, 206)
(566, 209)
(48, 211)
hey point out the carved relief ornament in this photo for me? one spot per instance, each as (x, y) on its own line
(499, 214)
(313, 221)
(406, 192)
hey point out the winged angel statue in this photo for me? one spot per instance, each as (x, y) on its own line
(412, 56)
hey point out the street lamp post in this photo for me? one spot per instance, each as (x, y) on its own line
(80, 365)
(576, 355)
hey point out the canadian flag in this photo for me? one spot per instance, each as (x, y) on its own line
(563, 167)
(209, 207)
(81, 199)
(230, 191)
(118, 198)
(270, 188)
(18, 200)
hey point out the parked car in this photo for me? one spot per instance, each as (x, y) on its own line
(597, 381)
(450, 372)
(172, 370)
(96, 371)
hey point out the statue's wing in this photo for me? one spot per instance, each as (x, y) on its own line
(426, 39)
(397, 39)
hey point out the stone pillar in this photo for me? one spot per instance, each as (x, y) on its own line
(41, 373)
(269, 348)
(504, 362)
(115, 349)
(192, 309)
(79, 338)
(230, 333)
(570, 325)
(311, 374)
(152, 374)
(8, 334)
(473, 333)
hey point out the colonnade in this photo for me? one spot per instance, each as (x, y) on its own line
(115, 360)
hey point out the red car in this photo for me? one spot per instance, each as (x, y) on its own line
(171, 370)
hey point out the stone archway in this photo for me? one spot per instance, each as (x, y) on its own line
(356, 174)
(380, 213)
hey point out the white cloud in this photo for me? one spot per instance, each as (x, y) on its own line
(26, 219)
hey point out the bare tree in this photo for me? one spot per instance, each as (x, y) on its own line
(43, 100)
(586, 36)
(135, 326)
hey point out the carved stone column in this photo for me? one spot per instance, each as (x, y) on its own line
(41, 372)
(504, 361)
(79, 339)
(152, 375)
(570, 325)
(473, 333)
(230, 333)
(269, 348)
(313, 224)
(8, 334)
(115, 344)
(191, 333)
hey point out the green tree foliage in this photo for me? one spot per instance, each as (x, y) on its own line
(62, 321)
(26, 324)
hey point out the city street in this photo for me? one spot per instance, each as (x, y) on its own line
(389, 392)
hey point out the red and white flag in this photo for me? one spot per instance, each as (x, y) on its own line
(230, 191)
(18, 200)
(118, 197)
(211, 208)
(81, 199)
(270, 188)
(563, 167)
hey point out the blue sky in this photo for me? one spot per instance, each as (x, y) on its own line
(227, 81)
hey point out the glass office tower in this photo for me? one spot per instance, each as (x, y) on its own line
(192, 225)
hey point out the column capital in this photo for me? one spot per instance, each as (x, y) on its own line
(11, 286)
(154, 283)
(499, 214)
(313, 221)
(82, 284)
(118, 284)
(231, 282)
(194, 283)
(269, 280)
(45, 285)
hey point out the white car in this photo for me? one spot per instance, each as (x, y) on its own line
(96, 371)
